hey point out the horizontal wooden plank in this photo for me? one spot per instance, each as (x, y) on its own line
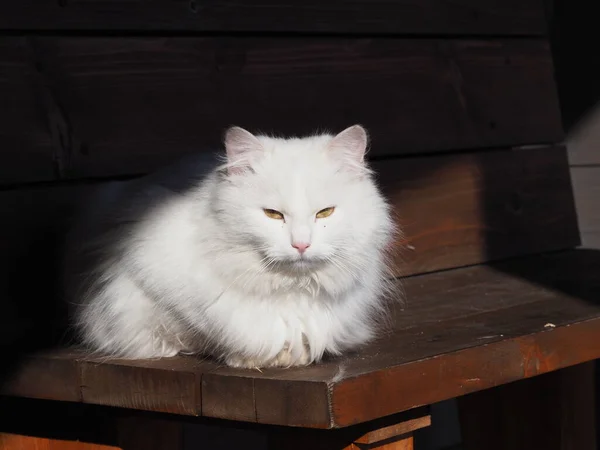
(466, 209)
(151, 387)
(130, 105)
(14, 441)
(56, 376)
(524, 17)
(586, 188)
(27, 151)
(459, 331)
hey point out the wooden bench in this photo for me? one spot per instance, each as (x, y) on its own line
(466, 141)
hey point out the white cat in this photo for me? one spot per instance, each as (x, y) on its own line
(273, 258)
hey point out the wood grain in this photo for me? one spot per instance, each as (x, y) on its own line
(459, 210)
(394, 432)
(171, 386)
(18, 442)
(311, 16)
(586, 188)
(130, 105)
(51, 376)
(458, 332)
(554, 411)
(28, 153)
(327, 443)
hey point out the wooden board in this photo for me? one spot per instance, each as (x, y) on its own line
(459, 331)
(523, 17)
(130, 105)
(586, 188)
(26, 146)
(458, 210)
(19, 442)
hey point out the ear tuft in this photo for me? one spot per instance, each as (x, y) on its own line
(242, 147)
(351, 145)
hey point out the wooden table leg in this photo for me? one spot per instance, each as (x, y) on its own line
(555, 411)
(391, 433)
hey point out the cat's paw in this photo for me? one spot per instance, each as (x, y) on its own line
(241, 362)
(285, 358)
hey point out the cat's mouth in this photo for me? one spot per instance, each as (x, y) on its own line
(304, 264)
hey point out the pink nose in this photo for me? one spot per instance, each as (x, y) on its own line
(300, 246)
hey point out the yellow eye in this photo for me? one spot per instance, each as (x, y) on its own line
(325, 212)
(273, 214)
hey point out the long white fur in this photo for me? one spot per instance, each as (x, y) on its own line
(156, 270)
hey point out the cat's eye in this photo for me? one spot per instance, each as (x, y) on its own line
(273, 214)
(325, 212)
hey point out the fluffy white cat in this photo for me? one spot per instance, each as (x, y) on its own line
(273, 258)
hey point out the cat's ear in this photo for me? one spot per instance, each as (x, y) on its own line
(351, 145)
(242, 147)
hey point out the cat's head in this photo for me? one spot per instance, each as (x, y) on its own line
(303, 202)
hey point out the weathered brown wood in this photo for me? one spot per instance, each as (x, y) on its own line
(171, 386)
(28, 152)
(394, 432)
(552, 411)
(460, 210)
(459, 331)
(18, 442)
(240, 404)
(586, 189)
(51, 376)
(129, 105)
(358, 16)
(405, 442)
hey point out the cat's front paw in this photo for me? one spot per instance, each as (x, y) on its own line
(288, 358)
(242, 362)
(285, 358)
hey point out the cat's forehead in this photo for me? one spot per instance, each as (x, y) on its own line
(298, 173)
(297, 154)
